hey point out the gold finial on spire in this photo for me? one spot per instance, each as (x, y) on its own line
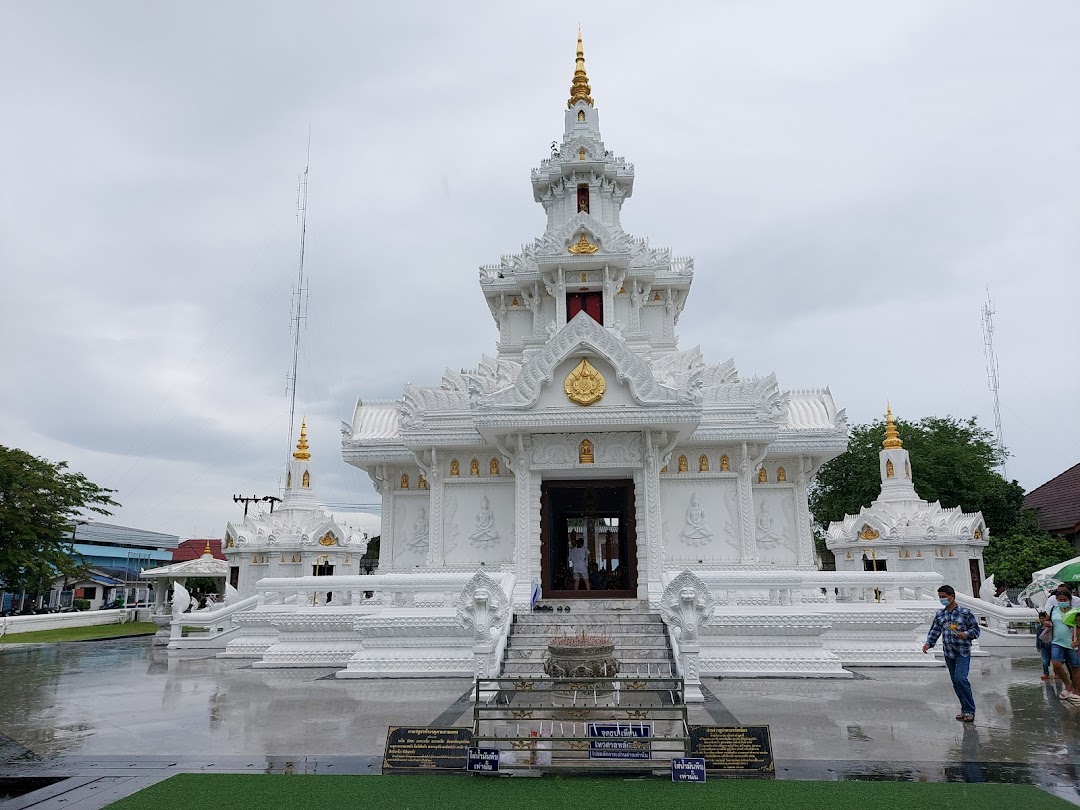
(892, 438)
(579, 87)
(302, 453)
(207, 550)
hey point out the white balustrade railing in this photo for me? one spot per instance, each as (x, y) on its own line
(388, 590)
(795, 587)
(210, 623)
(999, 617)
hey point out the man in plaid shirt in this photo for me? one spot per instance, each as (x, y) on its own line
(957, 627)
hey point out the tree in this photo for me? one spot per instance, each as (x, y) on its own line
(39, 504)
(1014, 557)
(952, 461)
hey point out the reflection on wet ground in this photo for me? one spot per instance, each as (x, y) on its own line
(120, 707)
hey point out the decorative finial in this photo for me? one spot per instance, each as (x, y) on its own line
(302, 453)
(892, 438)
(579, 87)
(207, 550)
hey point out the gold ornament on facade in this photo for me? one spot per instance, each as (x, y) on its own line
(493, 467)
(455, 468)
(890, 471)
(583, 246)
(725, 464)
(663, 469)
(762, 476)
(656, 296)
(404, 480)
(514, 301)
(474, 467)
(302, 453)
(978, 534)
(327, 540)
(421, 482)
(585, 454)
(892, 438)
(781, 474)
(305, 479)
(703, 463)
(585, 385)
(868, 534)
(584, 277)
(580, 115)
(581, 153)
(907, 470)
(683, 466)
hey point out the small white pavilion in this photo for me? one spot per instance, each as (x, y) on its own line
(901, 532)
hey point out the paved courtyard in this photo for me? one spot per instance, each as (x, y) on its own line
(121, 714)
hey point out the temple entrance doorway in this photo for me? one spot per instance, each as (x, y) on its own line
(588, 525)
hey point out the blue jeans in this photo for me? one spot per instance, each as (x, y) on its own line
(958, 672)
(1044, 650)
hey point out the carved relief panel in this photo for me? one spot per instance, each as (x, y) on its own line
(701, 520)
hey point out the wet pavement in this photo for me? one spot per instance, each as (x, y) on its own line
(119, 715)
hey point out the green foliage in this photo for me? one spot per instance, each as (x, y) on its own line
(90, 633)
(199, 587)
(39, 503)
(372, 553)
(1013, 558)
(952, 461)
(81, 604)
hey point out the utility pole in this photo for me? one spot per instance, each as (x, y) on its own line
(299, 313)
(992, 376)
(270, 499)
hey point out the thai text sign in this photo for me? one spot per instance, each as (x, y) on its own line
(617, 741)
(687, 769)
(424, 750)
(733, 748)
(483, 760)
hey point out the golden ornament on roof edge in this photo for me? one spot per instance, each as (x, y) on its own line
(302, 453)
(585, 385)
(579, 87)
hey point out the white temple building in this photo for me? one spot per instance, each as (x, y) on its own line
(900, 531)
(685, 484)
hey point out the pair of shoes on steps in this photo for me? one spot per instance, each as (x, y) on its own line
(1067, 695)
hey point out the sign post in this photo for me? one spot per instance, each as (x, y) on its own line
(483, 760)
(688, 769)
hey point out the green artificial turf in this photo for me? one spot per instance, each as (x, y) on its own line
(572, 793)
(93, 631)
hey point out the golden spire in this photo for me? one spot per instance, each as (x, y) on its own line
(892, 438)
(579, 87)
(207, 549)
(302, 453)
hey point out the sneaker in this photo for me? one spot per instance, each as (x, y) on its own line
(1075, 698)
(1065, 694)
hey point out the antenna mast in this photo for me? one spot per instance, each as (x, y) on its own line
(299, 313)
(992, 374)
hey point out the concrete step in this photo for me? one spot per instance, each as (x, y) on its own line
(587, 616)
(568, 626)
(634, 654)
(621, 642)
(634, 667)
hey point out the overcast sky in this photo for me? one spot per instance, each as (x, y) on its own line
(848, 176)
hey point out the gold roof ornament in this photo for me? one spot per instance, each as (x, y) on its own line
(583, 245)
(302, 453)
(892, 438)
(585, 385)
(579, 87)
(207, 550)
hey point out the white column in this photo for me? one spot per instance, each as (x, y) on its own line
(802, 513)
(746, 508)
(653, 532)
(435, 556)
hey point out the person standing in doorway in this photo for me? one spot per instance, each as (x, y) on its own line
(957, 627)
(579, 561)
(1063, 654)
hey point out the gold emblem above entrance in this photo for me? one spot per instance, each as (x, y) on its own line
(585, 385)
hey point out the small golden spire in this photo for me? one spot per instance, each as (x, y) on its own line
(892, 438)
(302, 453)
(207, 549)
(579, 87)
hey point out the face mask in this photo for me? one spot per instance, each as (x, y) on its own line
(944, 601)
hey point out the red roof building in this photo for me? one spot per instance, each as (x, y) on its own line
(1058, 502)
(193, 549)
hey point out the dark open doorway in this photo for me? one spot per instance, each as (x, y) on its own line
(588, 525)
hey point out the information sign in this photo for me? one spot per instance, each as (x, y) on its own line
(426, 750)
(688, 769)
(618, 741)
(483, 760)
(733, 749)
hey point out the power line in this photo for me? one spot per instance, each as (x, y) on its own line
(992, 375)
